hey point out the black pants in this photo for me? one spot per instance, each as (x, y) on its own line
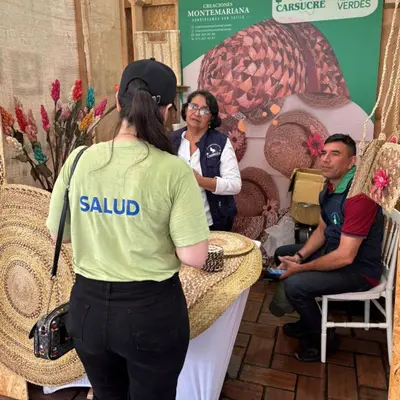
(301, 289)
(132, 337)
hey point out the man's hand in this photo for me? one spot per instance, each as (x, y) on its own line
(296, 259)
(290, 267)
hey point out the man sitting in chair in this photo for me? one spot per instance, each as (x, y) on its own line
(342, 255)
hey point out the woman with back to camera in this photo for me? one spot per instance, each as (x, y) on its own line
(212, 157)
(136, 214)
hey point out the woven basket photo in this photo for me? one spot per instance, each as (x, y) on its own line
(164, 46)
(291, 140)
(251, 72)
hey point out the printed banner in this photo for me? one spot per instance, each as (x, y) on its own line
(286, 74)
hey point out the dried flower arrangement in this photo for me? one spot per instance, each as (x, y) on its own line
(72, 125)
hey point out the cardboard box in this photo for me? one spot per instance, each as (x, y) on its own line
(306, 185)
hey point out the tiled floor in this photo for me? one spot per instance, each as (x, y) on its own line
(262, 366)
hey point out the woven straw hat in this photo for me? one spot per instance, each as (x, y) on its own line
(258, 192)
(26, 255)
(324, 100)
(232, 127)
(208, 295)
(257, 188)
(291, 140)
(251, 227)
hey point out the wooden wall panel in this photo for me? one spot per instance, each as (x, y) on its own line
(159, 18)
(106, 55)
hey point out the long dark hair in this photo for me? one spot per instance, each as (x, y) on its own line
(212, 105)
(140, 109)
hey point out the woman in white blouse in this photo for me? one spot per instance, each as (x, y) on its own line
(212, 158)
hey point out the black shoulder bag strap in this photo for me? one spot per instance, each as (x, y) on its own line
(63, 217)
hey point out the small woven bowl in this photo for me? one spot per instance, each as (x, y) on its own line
(215, 259)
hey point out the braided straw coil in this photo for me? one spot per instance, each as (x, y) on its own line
(286, 141)
(26, 255)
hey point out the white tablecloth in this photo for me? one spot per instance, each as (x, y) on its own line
(207, 359)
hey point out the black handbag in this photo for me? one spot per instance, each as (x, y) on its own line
(50, 336)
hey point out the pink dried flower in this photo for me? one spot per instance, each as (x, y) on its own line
(77, 90)
(270, 210)
(45, 118)
(65, 113)
(55, 90)
(315, 144)
(100, 108)
(380, 183)
(393, 139)
(31, 129)
(81, 115)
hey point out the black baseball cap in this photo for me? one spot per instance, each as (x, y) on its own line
(160, 79)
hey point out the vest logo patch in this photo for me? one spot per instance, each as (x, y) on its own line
(213, 150)
(335, 218)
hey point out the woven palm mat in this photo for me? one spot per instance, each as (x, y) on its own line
(197, 282)
(26, 255)
(232, 243)
(211, 305)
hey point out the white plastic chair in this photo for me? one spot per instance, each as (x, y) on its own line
(384, 289)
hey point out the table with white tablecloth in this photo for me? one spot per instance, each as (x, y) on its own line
(207, 358)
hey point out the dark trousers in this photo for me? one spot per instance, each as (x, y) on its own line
(131, 337)
(301, 289)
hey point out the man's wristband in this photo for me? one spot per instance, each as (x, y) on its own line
(300, 256)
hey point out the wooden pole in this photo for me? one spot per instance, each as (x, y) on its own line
(82, 36)
(394, 384)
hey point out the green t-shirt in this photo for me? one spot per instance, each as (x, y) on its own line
(128, 213)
